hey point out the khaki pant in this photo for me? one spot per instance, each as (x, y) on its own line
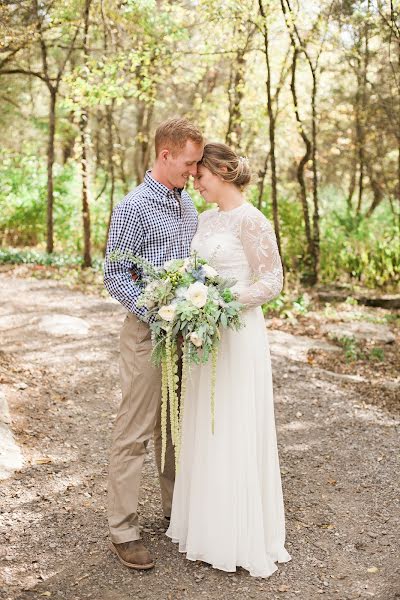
(138, 418)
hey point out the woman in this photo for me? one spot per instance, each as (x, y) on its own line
(228, 507)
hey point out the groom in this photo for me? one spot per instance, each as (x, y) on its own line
(157, 220)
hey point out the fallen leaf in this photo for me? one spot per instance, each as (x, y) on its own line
(83, 577)
(44, 461)
(372, 570)
(332, 481)
(283, 588)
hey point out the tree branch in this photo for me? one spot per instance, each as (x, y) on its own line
(25, 72)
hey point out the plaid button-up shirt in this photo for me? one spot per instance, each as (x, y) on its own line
(153, 222)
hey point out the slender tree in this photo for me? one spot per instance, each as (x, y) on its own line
(85, 143)
(271, 123)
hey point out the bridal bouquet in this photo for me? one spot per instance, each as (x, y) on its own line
(187, 302)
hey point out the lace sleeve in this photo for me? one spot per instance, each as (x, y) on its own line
(259, 243)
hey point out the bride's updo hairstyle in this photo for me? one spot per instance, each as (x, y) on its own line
(224, 162)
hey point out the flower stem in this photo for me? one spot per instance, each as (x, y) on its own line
(214, 357)
(164, 407)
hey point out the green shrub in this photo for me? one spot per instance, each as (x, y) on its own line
(16, 256)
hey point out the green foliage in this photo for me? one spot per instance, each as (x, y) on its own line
(287, 306)
(352, 248)
(354, 351)
(377, 354)
(351, 347)
(23, 193)
(358, 248)
(22, 199)
(134, 72)
(14, 256)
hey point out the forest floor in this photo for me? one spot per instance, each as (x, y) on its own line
(337, 415)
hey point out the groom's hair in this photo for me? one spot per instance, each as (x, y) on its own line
(174, 133)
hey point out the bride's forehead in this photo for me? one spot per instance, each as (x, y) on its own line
(202, 170)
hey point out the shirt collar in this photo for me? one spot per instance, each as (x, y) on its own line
(160, 188)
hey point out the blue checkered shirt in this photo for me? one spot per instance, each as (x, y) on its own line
(153, 222)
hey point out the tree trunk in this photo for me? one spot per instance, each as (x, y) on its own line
(261, 181)
(352, 185)
(360, 146)
(50, 163)
(122, 155)
(142, 153)
(111, 170)
(83, 126)
(377, 191)
(234, 133)
(362, 93)
(87, 258)
(298, 46)
(271, 117)
(315, 253)
(300, 174)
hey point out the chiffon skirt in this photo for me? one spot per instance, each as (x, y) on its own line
(228, 507)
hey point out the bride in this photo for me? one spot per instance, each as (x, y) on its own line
(228, 506)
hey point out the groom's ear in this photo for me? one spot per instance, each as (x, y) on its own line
(164, 154)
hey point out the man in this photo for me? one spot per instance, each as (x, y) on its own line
(157, 220)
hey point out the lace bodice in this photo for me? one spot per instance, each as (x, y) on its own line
(241, 243)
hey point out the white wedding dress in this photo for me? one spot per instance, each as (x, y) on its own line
(228, 506)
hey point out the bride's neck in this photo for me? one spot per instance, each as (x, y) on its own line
(232, 198)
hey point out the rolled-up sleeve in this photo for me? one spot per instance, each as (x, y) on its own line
(126, 234)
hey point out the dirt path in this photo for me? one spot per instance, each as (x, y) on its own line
(59, 375)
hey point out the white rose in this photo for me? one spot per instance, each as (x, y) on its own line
(196, 339)
(197, 294)
(209, 271)
(167, 312)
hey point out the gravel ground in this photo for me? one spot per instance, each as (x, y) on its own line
(59, 375)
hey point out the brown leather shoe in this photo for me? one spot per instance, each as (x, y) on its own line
(133, 554)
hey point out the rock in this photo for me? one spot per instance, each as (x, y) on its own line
(388, 301)
(346, 377)
(295, 347)
(4, 412)
(63, 325)
(360, 331)
(21, 385)
(11, 457)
